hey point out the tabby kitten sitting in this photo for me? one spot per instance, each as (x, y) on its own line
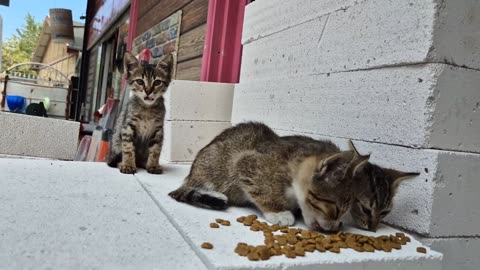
(138, 135)
(374, 189)
(250, 164)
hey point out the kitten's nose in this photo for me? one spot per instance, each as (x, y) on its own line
(372, 228)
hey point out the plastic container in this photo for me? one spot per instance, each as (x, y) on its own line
(15, 103)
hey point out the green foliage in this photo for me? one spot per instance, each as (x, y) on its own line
(19, 47)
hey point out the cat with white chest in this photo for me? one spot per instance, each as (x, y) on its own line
(138, 135)
(250, 164)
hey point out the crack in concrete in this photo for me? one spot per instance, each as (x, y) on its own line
(323, 31)
(177, 227)
(400, 64)
(259, 37)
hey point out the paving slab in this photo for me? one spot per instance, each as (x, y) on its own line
(78, 215)
(193, 223)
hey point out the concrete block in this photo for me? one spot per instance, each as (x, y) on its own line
(193, 223)
(458, 253)
(204, 101)
(420, 106)
(266, 17)
(183, 139)
(83, 215)
(362, 36)
(34, 136)
(438, 202)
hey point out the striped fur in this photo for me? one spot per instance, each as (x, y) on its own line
(250, 164)
(138, 135)
(374, 190)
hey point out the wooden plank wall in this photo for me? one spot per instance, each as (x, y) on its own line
(192, 32)
(54, 52)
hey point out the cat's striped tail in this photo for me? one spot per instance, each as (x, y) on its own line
(200, 197)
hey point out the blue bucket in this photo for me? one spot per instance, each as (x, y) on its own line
(15, 103)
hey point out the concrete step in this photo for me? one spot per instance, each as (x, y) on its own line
(193, 223)
(460, 253)
(78, 215)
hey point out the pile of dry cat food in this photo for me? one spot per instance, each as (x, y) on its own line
(293, 242)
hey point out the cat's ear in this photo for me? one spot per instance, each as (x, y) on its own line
(166, 63)
(359, 160)
(333, 159)
(396, 177)
(131, 63)
(355, 151)
(360, 164)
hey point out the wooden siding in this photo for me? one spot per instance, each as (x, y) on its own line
(192, 33)
(55, 52)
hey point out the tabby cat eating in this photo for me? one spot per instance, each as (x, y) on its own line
(138, 136)
(374, 189)
(250, 164)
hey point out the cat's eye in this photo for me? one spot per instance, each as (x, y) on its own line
(365, 210)
(139, 82)
(384, 213)
(157, 82)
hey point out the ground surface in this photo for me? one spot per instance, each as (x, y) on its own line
(78, 215)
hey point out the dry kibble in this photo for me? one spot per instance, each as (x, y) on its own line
(310, 248)
(395, 245)
(264, 252)
(320, 247)
(368, 248)
(421, 250)
(306, 234)
(335, 250)
(214, 225)
(207, 245)
(290, 254)
(253, 256)
(295, 242)
(225, 223)
(299, 251)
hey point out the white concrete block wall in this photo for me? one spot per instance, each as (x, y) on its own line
(314, 37)
(183, 139)
(401, 78)
(199, 101)
(196, 113)
(419, 106)
(35, 136)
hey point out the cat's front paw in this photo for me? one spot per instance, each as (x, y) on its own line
(284, 218)
(155, 170)
(128, 169)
